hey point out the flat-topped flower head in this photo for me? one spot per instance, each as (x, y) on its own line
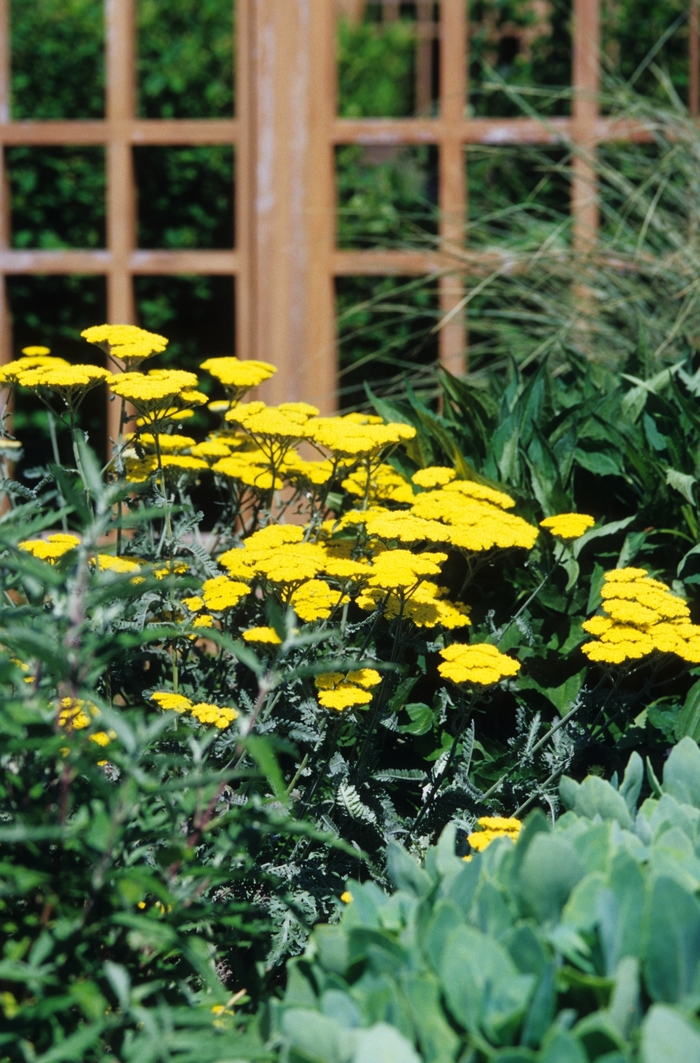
(479, 664)
(476, 515)
(491, 828)
(221, 593)
(156, 393)
(315, 599)
(266, 636)
(70, 382)
(344, 436)
(36, 349)
(220, 716)
(52, 547)
(400, 570)
(274, 429)
(128, 343)
(10, 373)
(385, 485)
(568, 525)
(434, 476)
(166, 699)
(336, 690)
(238, 376)
(642, 616)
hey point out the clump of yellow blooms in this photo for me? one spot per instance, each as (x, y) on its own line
(76, 714)
(238, 376)
(642, 616)
(52, 547)
(129, 343)
(568, 525)
(263, 635)
(492, 827)
(220, 716)
(480, 664)
(340, 690)
(156, 392)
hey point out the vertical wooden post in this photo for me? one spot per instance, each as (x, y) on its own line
(120, 29)
(352, 10)
(287, 196)
(694, 58)
(5, 203)
(452, 176)
(425, 30)
(586, 85)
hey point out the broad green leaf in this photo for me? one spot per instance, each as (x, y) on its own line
(687, 722)
(600, 531)
(668, 1037)
(673, 951)
(682, 773)
(382, 1043)
(682, 482)
(549, 871)
(320, 1038)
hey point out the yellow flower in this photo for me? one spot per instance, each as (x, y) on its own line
(71, 382)
(568, 525)
(36, 350)
(385, 485)
(434, 476)
(364, 677)
(128, 343)
(157, 392)
(274, 429)
(265, 635)
(339, 691)
(343, 435)
(203, 621)
(401, 570)
(220, 716)
(194, 603)
(480, 664)
(167, 442)
(642, 616)
(315, 600)
(238, 376)
(222, 593)
(10, 373)
(51, 548)
(111, 563)
(165, 699)
(251, 469)
(211, 449)
(493, 827)
(346, 897)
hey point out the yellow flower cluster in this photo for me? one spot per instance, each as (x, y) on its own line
(642, 616)
(426, 606)
(349, 437)
(264, 635)
(480, 664)
(568, 525)
(492, 827)
(236, 376)
(129, 343)
(155, 393)
(34, 358)
(221, 593)
(385, 485)
(338, 690)
(52, 547)
(70, 382)
(220, 716)
(76, 714)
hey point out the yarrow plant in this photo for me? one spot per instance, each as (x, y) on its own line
(328, 659)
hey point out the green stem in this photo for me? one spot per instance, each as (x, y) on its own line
(162, 484)
(444, 773)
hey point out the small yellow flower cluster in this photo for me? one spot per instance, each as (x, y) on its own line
(338, 690)
(52, 547)
(568, 525)
(156, 393)
(236, 376)
(642, 616)
(492, 827)
(220, 716)
(425, 606)
(349, 437)
(263, 635)
(480, 664)
(70, 382)
(221, 593)
(129, 343)
(385, 485)
(76, 714)
(34, 358)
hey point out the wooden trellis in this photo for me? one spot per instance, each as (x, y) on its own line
(285, 134)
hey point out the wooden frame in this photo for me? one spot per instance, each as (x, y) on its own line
(285, 135)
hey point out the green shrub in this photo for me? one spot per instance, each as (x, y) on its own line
(579, 943)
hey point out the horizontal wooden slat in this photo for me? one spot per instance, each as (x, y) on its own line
(153, 262)
(139, 131)
(225, 262)
(478, 130)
